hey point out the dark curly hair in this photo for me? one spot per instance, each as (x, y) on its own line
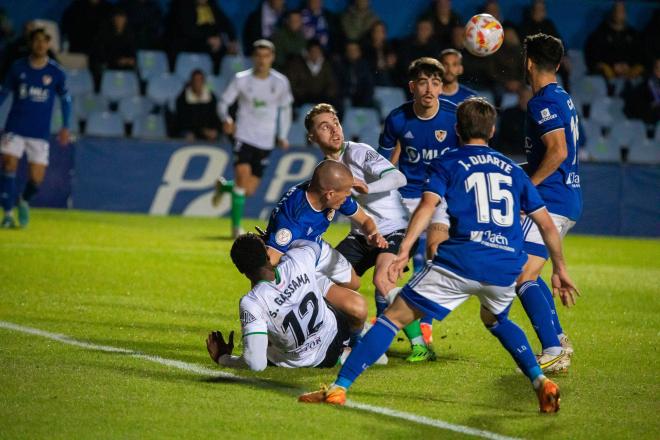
(249, 253)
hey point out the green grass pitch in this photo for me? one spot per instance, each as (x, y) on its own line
(159, 284)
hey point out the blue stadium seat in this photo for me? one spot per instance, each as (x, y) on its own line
(132, 107)
(83, 105)
(186, 62)
(4, 111)
(363, 124)
(578, 65)
(164, 88)
(606, 110)
(56, 119)
(298, 135)
(216, 84)
(151, 63)
(231, 64)
(104, 124)
(116, 84)
(150, 127)
(388, 98)
(490, 97)
(628, 133)
(601, 149)
(79, 82)
(589, 88)
(590, 128)
(647, 151)
(509, 100)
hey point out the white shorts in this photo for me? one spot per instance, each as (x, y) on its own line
(439, 215)
(15, 145)
(436, 286)
(332, 265)
(534, 244)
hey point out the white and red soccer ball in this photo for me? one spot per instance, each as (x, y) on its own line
(483, 35)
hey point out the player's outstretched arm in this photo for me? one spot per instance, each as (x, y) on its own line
(556, 152)
(369, 228)
(254, 351)
(561, 281)
(418, 223)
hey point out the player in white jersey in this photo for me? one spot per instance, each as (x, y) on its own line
(263, 119)
(376, 181)
(285, 319)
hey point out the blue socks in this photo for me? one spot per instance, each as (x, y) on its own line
(371, 347)
(7, 191)
(30, 190)
(551, 302)
(381, 303)
(537, 308)
(419, 258)
(514, 340)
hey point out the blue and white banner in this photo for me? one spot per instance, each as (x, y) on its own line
(174, 177)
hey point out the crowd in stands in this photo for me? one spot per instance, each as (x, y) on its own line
(174, 63)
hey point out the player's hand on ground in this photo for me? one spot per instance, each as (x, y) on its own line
(360, 186)
(563, 286)
(228, 127)
(216, 345)
(283, 144)
(395, 270)
(377, 240)
(63, 137)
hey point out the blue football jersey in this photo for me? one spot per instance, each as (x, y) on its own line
(485, 192)
(294, 218)
(459, 95)
(550, 109)
(34, 93)
(421, 141)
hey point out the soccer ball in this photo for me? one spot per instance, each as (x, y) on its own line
(483, 35)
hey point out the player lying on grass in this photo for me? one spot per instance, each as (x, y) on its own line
(305, 212)
(285, 319)
(375, 180)
(485, 193)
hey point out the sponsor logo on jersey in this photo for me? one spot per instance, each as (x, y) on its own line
(546, 115)
(440, 135)
(47, 79)
(409, 135)
(491, 239)
(573, 179)
(283, 236)
(427, 154)
(330, 215)
(247, 318)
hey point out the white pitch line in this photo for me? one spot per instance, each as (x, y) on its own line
(204, 371)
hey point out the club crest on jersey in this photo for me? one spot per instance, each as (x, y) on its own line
(247, 318)
(330, 215)
(283, 237)
(47, 79)
(440, 135)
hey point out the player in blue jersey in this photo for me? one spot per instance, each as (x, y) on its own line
(305, 212)
(33, 81)
(552, 136)
(452, 90)
(415, 134)
(483, 256)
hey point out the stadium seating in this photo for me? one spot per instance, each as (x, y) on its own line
(83, 105)
(298, 132)
(628, 133)
(388, 98)
(509, 100)
(104, 124)
(490, 97)
(150, 126)
(151, 63)
(590, 87)
(606, 110)
(362, 124)
(647, 151)
(186, 62)
(132, 107)
(601, 149)
(231, 64)
(116, 84)
(578, 65)
(216, 84)
(164, 88)
(4, 110)
(79, 81)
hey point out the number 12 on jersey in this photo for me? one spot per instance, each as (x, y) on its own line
(487, 189)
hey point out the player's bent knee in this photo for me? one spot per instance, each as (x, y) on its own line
(9, 163)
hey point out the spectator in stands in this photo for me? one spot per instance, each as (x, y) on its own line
(200, 26)
(382, 57)
(419, 45)
(81, 21)
(643, 101)
(492, 7)
(536, 21)
(6, 27)
(145, 18)
(510, 137)
(357, 83)
(614, 49)
(115, 46)
(196, 110)
(478, 72)
(444, 19)
(652, 38)
(358, 19)
(320, 24)
(19, 48)
(311, 77)
(289, 40)
(263, 23)
(508, 63)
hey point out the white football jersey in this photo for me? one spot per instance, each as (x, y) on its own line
(292, 311)
(259, 101)
(386, 208)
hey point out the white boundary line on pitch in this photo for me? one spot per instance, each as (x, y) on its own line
(204, 371)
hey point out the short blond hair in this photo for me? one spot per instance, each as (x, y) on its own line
(317, 110)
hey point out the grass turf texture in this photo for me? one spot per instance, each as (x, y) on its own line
(159, 284)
